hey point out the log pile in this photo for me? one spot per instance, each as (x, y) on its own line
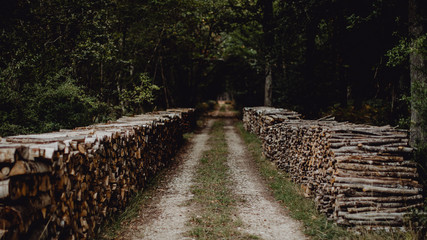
(257, 119)
(63, 185)
(188, 117)
(359, 175)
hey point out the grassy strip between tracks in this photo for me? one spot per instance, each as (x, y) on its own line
(316, 226)
(214, 216)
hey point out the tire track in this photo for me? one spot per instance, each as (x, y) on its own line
(172, 210)
(261, 214)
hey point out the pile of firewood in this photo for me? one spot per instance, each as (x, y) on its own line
(257, 119)
(359, 175)
(188, 117)
(63, 185)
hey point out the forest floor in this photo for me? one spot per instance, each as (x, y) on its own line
(235, 203)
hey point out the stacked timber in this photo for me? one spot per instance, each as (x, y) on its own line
(257, 119)
(63, 185)
(359, 175)
(188, 117)
(375, 183)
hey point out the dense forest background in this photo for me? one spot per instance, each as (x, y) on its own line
(65, 63)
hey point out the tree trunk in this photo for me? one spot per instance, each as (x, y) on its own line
(417, 72)
(267, 26)
(165, 86)
(268, 88)
(310, 47)
(172, 83)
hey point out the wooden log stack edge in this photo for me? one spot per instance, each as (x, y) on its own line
(63, 185)
(360, 176)
(257, 119)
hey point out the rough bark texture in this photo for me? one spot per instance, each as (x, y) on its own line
(63, 185)
(268, 87)
(267, 26)
(418, 71)
(359, 175)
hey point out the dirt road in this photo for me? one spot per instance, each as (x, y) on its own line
(167, 215)
(260, 213)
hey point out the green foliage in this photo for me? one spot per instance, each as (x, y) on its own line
(419, 45)
(323, 53)
(417, 222)
(398, 54)
(64, 106)
(419, 88)
(68, 64)
(419, 101)
(142, 92)
(330, 52)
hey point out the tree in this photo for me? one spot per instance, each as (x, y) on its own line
(418, 72)
(268, 46)
(317, 57)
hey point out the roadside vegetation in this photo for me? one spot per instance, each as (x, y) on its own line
(118, 223)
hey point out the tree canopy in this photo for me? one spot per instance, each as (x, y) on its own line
(69, 63)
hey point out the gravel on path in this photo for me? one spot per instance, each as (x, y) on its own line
(262, 216)
(173, 213)
(165, 217)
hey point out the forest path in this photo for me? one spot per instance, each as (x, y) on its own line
(165, 216)
(261, 214)
(168, 214)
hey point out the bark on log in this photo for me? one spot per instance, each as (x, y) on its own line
(347, 168)
(77, 178)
